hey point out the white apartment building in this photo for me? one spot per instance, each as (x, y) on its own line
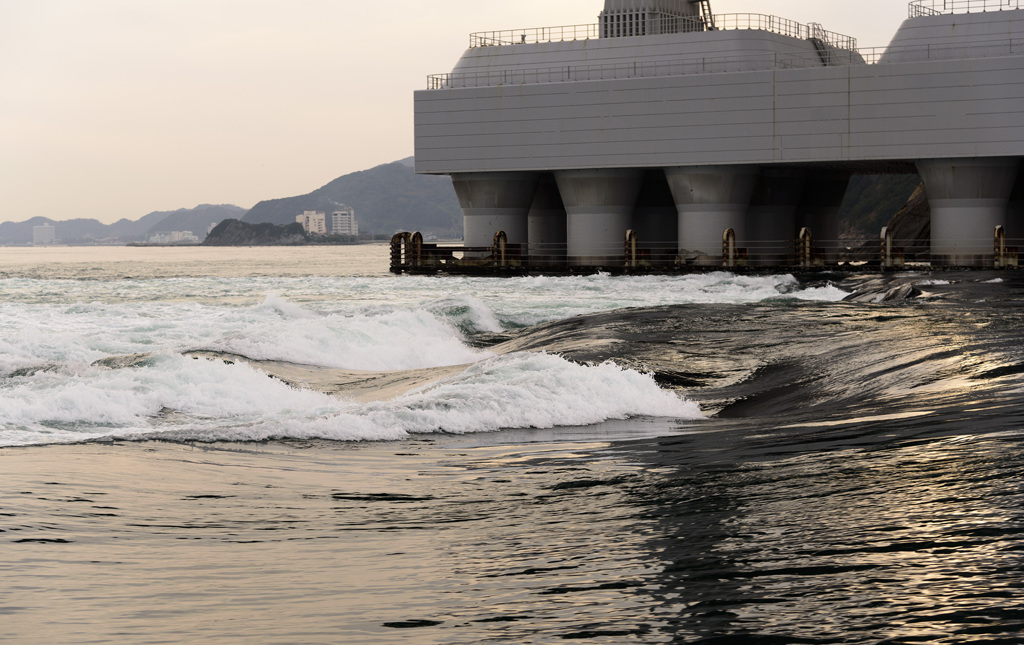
(313, 222)
(343, 222)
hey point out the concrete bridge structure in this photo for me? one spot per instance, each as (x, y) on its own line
(680, 124)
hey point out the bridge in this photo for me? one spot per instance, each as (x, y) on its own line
(683, 127)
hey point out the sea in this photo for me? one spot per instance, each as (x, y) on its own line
(292, 445)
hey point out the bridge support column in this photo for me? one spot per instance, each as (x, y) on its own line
(968, 199)
(1015, 211)
(599, 210)
(823, 195)
(493, 202)
(655, 220)
(547, 225)
(771, 218)
(709, 200)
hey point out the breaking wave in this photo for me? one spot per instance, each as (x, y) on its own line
(113, 364)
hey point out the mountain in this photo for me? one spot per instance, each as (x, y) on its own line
(871, 201)
(89, 231)
(198, 219)
(386, 199)
(233, 232)
(75, 230)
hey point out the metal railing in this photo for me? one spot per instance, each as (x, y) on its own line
(409, 254)
(735, 21)
(929, 52)
(841, 50)
(534, 36)
(720, 64)
(638, 69)
(920, 8)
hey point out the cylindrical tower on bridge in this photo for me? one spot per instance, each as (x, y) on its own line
(968, 199)
(709, 200)
(495, 201)
(599, 210)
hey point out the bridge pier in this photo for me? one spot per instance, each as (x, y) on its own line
(709, 200)
(771, 218)
(547, 222)
(599, 209)
(968, 199)
(823, 195)
(495, 202)
(655, 219)
(1015, 209)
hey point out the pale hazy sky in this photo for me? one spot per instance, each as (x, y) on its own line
(116, 108)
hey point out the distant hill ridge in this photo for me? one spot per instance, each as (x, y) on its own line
(386, 198)
(88, 231)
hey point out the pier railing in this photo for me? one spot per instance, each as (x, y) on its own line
(932, 52)
(409, 254)
(638, 69)
(733, 21)
(534, 36)
(920, 8)
(834, 50)
(720, 64)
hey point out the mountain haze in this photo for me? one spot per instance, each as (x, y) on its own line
(387, 198)
(89, 231)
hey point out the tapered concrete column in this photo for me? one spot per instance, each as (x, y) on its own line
(493, 202)
(823, 195)
(547, 224)
(771, 218)
(710, 199)
(655, 219)
(599, 210)
(1015, 212)
(968, 199)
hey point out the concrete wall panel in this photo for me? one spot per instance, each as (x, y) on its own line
(858, 113)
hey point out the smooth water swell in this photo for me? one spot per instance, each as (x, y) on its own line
(710, 538)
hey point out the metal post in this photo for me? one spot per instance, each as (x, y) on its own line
(999, 251)
(632, 259)
(398, 241)
(805, 248)
(886, 251)
(416, 242)
(729, 248)
(499, 251)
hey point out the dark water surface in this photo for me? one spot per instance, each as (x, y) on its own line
(859, 479)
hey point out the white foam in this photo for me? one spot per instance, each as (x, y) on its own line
(284, 308)
(180, 398)
(53, 331)
(394, 340)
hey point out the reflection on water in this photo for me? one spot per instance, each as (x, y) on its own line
(913, 542)
(458, 541)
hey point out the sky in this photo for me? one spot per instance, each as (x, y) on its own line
(113, 109)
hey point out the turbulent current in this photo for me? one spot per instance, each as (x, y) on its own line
(326, 453)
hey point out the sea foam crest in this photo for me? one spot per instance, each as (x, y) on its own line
(526, 390)
(380, 338)
(179, 398)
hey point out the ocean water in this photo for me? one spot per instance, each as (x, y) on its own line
(294, 446)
